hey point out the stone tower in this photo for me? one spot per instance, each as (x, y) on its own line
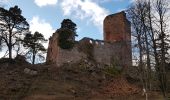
(118, 29)
(115, 47)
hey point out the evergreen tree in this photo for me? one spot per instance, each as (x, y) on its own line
(34, 43)
(67, 34)
(12, 26)
(68, 24)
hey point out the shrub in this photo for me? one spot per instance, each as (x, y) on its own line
(111, 70)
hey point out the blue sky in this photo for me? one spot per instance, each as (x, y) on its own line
(45, 16)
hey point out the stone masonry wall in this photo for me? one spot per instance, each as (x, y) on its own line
(56, 55)
(116, 45)
(69, 56)
(52, 52)
(118, 28)
(103, 52)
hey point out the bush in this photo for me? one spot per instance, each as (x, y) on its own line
(20, 59)
(112, 71)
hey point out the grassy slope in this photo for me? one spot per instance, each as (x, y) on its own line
(66, 83)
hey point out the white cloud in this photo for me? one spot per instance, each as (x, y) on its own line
(102, 1)
(85, 9)
(4, 1)
(2, 53)
(41, 3)
(40, 25)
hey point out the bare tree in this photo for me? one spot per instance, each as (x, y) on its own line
(161, 7)
(137, 14)
(150, 29)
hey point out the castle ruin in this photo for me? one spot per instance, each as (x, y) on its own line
(115, 48)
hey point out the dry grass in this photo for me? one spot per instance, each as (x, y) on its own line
(52, 83)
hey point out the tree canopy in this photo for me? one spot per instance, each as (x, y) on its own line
(67, 34)
(64, 40)
(68, 24)
(12, 27)
(33, 42)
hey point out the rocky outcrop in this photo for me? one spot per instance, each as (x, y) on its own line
(30, 72)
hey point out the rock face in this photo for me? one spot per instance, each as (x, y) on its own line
(116, 47)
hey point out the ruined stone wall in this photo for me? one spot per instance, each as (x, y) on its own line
(58, 56)
(118, 28)
(103, 52)
(70, 56)
(115, 47)
(53, 49)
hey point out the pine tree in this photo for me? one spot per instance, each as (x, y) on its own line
(33, 42)
(12, 26)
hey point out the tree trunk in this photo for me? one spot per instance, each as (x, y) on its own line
(161, 7)
(10, 44)
(33, 57)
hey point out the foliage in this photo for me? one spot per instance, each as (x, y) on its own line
(63, 41)
(68, 24)
(12, 27)
(34, 43)
(112, 70)
(67, 34)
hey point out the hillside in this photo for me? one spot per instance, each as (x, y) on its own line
(80, 81)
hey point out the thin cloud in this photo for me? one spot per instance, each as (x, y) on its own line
(42, 3)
